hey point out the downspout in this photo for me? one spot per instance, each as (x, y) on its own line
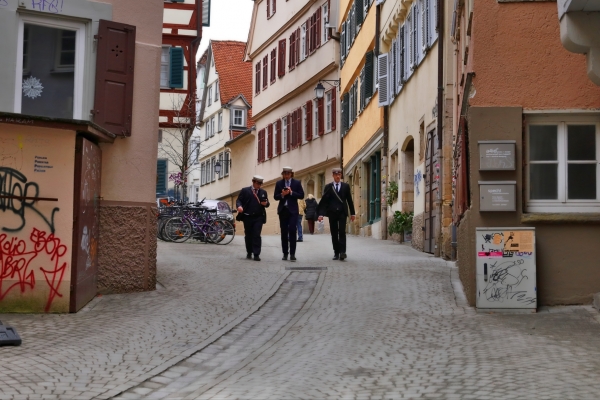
(440, 125)
(384, 146)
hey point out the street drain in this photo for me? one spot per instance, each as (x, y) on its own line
(306, 268)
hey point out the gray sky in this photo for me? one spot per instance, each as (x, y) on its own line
(229, 20)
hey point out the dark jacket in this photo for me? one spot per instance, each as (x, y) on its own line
(311, 209)
(292, 198)
(250, 204)
(330, 205)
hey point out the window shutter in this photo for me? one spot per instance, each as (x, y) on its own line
(319, 23)
(261, 145)
(291, 64)
(393, 68)
(297, 48)
(360, 9)
(345, 113)
(257, 78)
(362, 89)
(433, 23)
(382, 73)
(176, 67)
(321, 116)
(270, 142)
(288, 132)
(309, 120)
(333, 109)
(281, 64)
(278, 136)
(369, 74)
(274, 6)
(268, 9)
(161, 176)
(343, 42)
(113, 99)
(265, 82)
(425, 24)
(401, 54)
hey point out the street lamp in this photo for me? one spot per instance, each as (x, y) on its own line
(218, 165)
(320, 89)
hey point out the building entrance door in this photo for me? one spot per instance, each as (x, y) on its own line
(431, 191)
(86, 216)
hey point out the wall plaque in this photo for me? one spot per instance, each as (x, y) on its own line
(497, 196)
(497, 155)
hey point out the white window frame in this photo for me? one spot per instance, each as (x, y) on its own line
(324, 22)
(207, 135)
(209, 94)
(202, 172)
(80, 57)
(225, 167)
(213, 161)
(284, 135)
(274, 141)
(303, 47)
(216, 91)
(315, 119)
(562, 203)
(304, 124)
(243, 116)
(165, 62)
(221, 158)
(212, 127)
(220, 123)
(328, 111)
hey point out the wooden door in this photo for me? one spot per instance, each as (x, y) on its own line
(431, 191)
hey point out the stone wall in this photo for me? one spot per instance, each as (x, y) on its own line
(417, 232)
(127, 248)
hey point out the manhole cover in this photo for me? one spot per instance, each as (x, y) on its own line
(306, 268)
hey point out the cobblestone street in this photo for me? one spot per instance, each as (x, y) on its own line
(389, 322)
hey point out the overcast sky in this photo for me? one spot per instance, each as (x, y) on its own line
(229, 20)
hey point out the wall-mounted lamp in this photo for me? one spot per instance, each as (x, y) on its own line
(320, 89)
(218, 166)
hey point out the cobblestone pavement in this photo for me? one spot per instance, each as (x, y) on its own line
(387, 323)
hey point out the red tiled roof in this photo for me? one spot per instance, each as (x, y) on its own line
(235, 74)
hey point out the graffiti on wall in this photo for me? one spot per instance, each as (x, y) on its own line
(51, 6)
(418, 178)
(19, 260)
(14, 187)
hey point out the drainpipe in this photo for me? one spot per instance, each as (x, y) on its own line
(384, 145)
(440, 124)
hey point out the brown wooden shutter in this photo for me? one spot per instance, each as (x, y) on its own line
(270, 142)
(278, 136)
(321, 116)
(288, 132)
(274, 6)
(319, 27)
(291, 63)
(309, 118)
(265, 71)
(261, 145)
(333, 109)
(257, 78)
(297, 47)
(281, 66)
(268, 9)
(115, 56)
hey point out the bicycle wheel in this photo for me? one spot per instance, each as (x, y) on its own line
(226, 232)
(160, 229)
(177, 229)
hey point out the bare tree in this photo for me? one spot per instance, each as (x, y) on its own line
(177, 144)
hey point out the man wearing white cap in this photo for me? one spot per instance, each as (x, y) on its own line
(288, 191)
(251, 204)
(336, 201)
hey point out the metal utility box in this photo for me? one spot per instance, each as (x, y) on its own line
(506, 268)
(497, 196)
(497, 155)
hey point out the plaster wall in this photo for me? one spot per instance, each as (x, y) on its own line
(36, 236)
(365, 126)
(355, 59)
(567, 251)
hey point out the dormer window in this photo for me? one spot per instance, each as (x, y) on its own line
(239, 117)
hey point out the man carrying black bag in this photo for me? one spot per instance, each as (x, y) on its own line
(335, 203)
(251, 204)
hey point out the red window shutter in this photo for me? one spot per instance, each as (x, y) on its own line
(297, 48)
(113, 99)
(278, 136)
(309, 118)
(321, 116)
(261, 134)
(328, 18)
(318, 30)
(288, 132)
(308, 38)
(270, 142)
(281, 68)
(291, 64)
(265, 72)
(333, 109)
(273, 64)
(274, 6)
(257, 78)
(268, 9)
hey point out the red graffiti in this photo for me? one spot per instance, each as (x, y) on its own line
(18, 262)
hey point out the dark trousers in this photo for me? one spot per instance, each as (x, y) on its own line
(337, 226)
(311, 225)
(252, 229)
(288, 223)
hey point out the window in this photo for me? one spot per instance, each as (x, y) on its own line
(281, 63)
(276, 134)
(265, 72)
(202, 173)
(226, 164)
(209, 95)
(261, 145)
(50, 83)
(194, 151)
(164, 67)
(284, 134)
(563, 164)
(325, 21)
(269, 141)
(212, 127)
(208, 133)
(161, 176)
(328, 111)
(303, 46)
(315, 116)
(212, 169)
(273, 65)
(374, 193)
(222, 172)
(304, 125)
(216, 98)
(257, 78)
(271, 8)
(160, 135)
(239, 117)
(220, 124)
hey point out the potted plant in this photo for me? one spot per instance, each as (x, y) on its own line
(401, 225)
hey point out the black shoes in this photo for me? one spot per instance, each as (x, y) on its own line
(256, 258)
(336, 257)
(249, 256)
(299, 240)
(342, 256)
(284, 258)
(292, 258)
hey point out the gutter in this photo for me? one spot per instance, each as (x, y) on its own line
(385, 143)
(440, 124)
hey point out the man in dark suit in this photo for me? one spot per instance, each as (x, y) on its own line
(251, 204)
(334, 204)
(288, 191)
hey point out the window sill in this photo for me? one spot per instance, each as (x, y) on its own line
(554, 218)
